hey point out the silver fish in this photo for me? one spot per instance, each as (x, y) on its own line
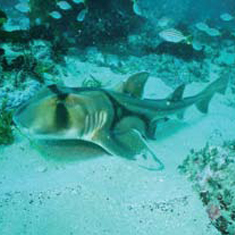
(226, 17)
(118, 122)
(213, 32)
(202, 26)
(23, 7)
(164, 21)
(197, 45)
(78, 1)
(136, 8)
(81, 15)
(55, 15)
(172, 35)
(63, 5)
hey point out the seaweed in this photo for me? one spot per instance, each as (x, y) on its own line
(6, 127)
(3, 18)
(59, 47)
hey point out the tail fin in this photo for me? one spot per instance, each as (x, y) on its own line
(218, 86)
(203, 105)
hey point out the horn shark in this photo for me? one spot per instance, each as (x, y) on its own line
(119, 122)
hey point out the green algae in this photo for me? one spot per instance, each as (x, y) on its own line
(6, 129)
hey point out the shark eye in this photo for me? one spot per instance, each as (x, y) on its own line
(61, 116)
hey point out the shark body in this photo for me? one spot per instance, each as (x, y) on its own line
(119, 122)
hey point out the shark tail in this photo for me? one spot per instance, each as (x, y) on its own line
(218, 86)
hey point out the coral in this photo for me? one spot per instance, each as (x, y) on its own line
(212, 171)
(6, 130)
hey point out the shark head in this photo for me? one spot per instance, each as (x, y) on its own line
(51, 114)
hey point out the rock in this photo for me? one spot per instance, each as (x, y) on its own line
(225, 58)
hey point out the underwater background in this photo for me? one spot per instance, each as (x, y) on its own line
(68, 189)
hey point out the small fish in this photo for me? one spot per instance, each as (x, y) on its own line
(202, 26)
(172, 35)
(63, 5)
(213, 32)
(136, 8)
(81, 15)
(164, 21)
(226, 17)
(197, 46)
(38, 21)
(22, 7)
(78, 1)
(55, 15)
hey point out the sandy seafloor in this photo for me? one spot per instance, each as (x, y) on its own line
(107, 194)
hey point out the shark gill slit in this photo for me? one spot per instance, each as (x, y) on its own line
(94, 122)
(91, 123)
(124, 113)
(84, 108)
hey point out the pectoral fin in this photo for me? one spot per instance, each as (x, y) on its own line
(130, 144)
(151, 131)
(142, 153)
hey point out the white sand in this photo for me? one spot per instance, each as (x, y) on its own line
(109, 195)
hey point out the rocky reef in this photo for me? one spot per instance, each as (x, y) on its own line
(86, 22)
(212, 173)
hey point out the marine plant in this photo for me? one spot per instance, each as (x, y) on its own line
(6, 129)
(28, 64)
(3, 18)
(59, 47)
(212, 172)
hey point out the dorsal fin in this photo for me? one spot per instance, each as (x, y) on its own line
(203, 105)
(177, 93)
(134, 85)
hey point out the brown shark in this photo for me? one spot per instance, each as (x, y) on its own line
(119, 122)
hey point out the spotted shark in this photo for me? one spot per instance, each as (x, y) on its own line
(119, 121)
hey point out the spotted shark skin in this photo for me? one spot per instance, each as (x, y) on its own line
(118, 121)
